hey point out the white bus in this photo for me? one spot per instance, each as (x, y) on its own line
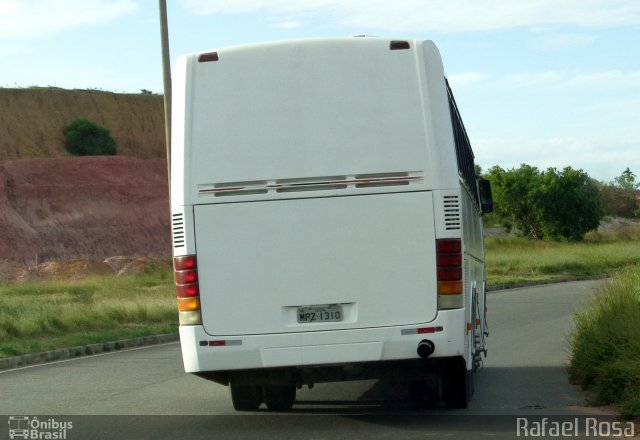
(326, 220)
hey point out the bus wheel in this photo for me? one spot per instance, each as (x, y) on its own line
(422, 396)
(246, 397)
(457, 386)
(279, 397)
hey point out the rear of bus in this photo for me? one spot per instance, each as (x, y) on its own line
(316, 210)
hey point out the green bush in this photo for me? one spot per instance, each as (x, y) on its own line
(561, 205)
(86, 138)
(606, 344)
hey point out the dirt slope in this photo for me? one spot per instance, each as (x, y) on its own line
(83, 207)
(54, 207)
(31, 121)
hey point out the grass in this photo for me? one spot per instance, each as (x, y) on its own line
(606, 344)
(513, 261)
(43, 315)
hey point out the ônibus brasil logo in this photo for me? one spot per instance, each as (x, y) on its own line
(32, 428)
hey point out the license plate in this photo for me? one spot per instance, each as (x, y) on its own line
(327, 313)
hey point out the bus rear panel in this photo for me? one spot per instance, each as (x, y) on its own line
(321, 219)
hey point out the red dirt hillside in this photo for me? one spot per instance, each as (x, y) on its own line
(57, 208)
(83, 207)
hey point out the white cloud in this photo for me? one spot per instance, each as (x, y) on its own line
(617, 118)
(293, 20)
(602, 158)
(288, 24)
(441, 15)
(206, 7)
(564, 41)
(465, 79)
(617, 109)
(534, 79)
(33, 18)
(607, 79)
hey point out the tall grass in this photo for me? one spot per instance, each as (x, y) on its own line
(43, 315)
(514, 260)
(606, 344)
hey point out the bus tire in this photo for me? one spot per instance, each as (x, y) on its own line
(422, 396)
(457, 384)
(246, 397)
(279, 397)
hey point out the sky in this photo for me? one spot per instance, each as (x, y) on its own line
(549, 83)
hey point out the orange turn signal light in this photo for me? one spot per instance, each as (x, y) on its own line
(188, 304)
(449, 287)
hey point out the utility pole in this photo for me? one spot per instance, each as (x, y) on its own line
(166, 76)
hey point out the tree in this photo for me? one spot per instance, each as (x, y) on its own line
(86, 138)
(620, 195)
(618, 202)
(514, 205)
(553, 204)
(568, 203)
(626, 181)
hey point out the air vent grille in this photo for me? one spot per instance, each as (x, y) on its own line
(177, 227)
(321, 183)
(452, 213)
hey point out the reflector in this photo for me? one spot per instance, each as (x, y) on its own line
(190, 318)
(424, 330)
(450, 302)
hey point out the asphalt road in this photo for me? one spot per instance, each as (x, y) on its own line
(144, 393)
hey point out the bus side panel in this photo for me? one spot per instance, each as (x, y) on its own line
(474, 271)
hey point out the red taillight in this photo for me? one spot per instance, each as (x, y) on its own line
(186, 276)
(449, 260)
(449, 246)
(187, 289)
(449, 272)
(185, 262)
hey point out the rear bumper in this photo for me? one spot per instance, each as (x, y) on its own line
(202, 352)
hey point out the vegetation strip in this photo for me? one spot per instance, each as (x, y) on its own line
(606, 344)
(45, 315)
(518, 261)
